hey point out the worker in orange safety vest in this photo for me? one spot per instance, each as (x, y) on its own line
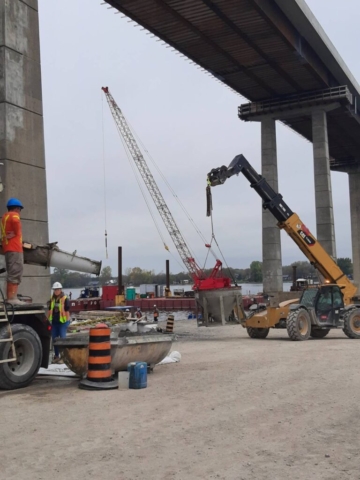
(11, 240)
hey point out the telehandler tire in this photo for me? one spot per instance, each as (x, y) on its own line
(21, 372)
(352, 323)
(319, 333)
(298, 325)
(257, 332)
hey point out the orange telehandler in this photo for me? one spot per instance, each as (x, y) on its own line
(321, 308)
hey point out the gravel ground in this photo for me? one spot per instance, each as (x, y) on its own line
(233, 408)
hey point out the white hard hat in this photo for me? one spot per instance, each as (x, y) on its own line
(154, 305)
(127, 310)
(57, 285)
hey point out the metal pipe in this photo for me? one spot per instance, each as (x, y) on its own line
(168, 274)
(120, 289)
(51, 256)
(60, 259)
(294, 276)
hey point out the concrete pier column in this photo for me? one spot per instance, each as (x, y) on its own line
(272, 265)
(21, 130)
(325, 231)
(354, 188)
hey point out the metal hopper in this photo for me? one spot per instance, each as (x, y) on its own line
(149, 348)
(217, 306)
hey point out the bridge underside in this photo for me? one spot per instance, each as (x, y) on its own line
(275, 54)
(254, 47)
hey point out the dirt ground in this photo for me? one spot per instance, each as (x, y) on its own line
(233, 408)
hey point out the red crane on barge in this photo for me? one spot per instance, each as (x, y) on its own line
(215, 280)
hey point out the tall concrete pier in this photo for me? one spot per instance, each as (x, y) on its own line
(271, 243)
(21, 130)
(325, 230)
(354, 190)
(316, 106)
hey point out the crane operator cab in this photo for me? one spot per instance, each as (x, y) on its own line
(319, 310)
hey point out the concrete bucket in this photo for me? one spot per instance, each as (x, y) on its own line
(217, 306)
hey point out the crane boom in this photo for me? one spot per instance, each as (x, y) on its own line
(289, 221)
(197, 274)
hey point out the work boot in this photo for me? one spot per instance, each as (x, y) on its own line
(11, 290)
(16, 301)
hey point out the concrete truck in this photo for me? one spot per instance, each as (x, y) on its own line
(25, 332)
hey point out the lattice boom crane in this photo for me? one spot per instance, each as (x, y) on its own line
(201, 282)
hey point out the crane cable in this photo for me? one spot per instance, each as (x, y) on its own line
(143, 192)
(164, 178)
(209, 213)
(209, 246)
(104, 174)
(182, 206)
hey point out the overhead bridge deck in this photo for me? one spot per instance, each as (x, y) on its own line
(266, 50)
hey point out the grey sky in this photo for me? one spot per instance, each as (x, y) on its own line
(189, 124)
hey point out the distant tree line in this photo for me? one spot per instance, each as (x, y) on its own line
(69, 279)
(136, 275)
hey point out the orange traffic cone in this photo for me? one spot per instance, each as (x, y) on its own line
(99, 362)
(170, 324)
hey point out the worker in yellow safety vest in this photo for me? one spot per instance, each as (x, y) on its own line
(58, 316)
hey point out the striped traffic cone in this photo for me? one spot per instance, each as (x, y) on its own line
(170, 324)
(99, 362)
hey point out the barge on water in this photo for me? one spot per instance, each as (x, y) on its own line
(92, 300)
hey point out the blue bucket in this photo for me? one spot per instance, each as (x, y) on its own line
(138, 375)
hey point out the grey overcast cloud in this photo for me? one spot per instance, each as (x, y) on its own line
(186, 120)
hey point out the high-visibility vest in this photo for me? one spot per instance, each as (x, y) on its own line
(13, 244)
(60, 303)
